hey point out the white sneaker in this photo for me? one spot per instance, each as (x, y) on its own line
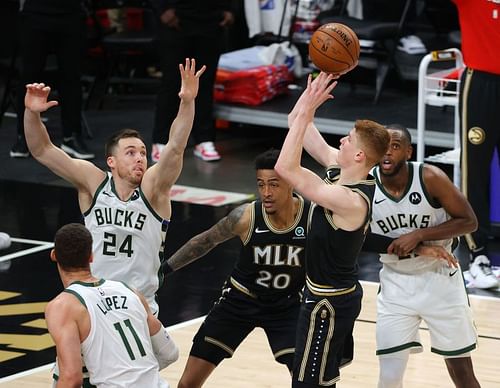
(156, 152)
(480, 270)
(206, 151)
(4, 244)
(412, 44)
(4, 240)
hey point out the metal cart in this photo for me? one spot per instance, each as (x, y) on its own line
(440, 88)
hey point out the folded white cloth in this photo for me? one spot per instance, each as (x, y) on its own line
(242, 59)
(412, 44)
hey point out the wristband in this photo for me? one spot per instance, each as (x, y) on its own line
(411, 255)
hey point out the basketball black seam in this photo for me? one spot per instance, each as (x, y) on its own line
(338, 41)
(355, 39)
(329, 57)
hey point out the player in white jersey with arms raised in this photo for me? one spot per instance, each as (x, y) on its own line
(127, 211)
(102, 321)
(416, 203)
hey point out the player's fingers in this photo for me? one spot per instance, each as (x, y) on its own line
(331, 86)
(390, 249)
(201, 71)
(453, 261)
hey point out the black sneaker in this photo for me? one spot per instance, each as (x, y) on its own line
(20, 149)
(76, 147)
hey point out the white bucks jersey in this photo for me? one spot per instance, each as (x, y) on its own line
(129, 238)
(394, 217)
(118, 351)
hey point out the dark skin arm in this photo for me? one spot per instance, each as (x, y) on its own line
(379, 244)
(234, 224)
(462, 221)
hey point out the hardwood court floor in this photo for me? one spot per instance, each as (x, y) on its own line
(253, 364)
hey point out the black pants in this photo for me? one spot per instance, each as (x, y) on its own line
(324, 337)
(480, 123)
(173, 48)
(65, 36)
(236, 314)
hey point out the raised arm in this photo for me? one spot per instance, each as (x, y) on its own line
(288, 164)
(462, 218)
(61, 317)
(342, 201)
(314, 142)
(236, 223)
(84, 175)
(159, 179)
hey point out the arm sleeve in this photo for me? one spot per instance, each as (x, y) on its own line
(376, 243)
(164, 348)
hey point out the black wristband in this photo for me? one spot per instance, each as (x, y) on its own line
(412, 255)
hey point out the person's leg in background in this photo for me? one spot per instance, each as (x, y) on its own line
(207, 52)
(34, 43)
(69, 48)
(479, 99)
(173, 48)
(383, 10)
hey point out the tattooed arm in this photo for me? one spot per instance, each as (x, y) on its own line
(234, 224)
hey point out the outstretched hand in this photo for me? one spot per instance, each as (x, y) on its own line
(190, 79)
(405, 243)
(437, 252)
(36, 98)
(317, 92)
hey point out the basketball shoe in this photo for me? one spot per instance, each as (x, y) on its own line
(20, 149)
(206, 151)
(156, 152)
(4, 244)
(4, 240)
(412, 44)
(480, 270)
(75, 146)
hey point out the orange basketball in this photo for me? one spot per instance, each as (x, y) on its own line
(334, 48)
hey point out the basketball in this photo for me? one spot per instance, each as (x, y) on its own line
(334, 48)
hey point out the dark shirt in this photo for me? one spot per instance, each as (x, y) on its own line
(272, 262)
(332, 253)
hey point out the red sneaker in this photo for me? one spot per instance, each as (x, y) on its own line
(206, 151)
(156, 152)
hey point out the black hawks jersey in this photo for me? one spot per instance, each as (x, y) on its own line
(332, 252)
(272, 261)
